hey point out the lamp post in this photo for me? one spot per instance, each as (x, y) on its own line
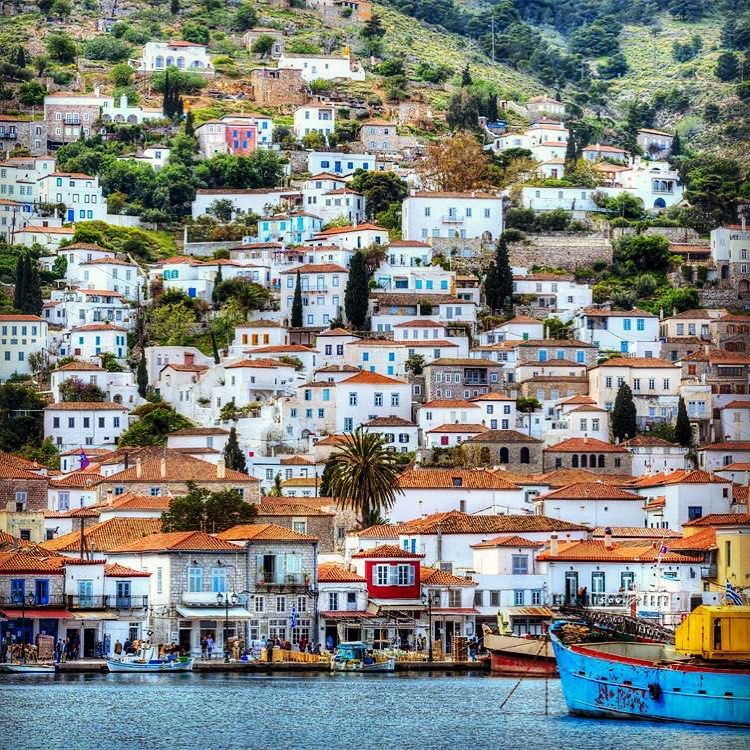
(21, 599)
(225, 600)
(427, 600)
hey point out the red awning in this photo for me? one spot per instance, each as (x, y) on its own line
(346, 615)
(34, 614)
(455, 611)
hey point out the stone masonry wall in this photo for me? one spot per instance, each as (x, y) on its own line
(561, 250)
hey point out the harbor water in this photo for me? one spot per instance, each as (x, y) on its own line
(307, 712)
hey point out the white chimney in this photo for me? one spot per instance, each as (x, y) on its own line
(608, 544)
(221, 469)
(138, 468)
(553, 548)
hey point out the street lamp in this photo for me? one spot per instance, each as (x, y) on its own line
(19, 598)
(225, 601)
(427, 601)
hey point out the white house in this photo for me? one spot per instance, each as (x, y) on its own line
(354, 237)
(368, 395)
(627, 331)
(558, 293)
(435, 215)
(20, 336)
(48, 237)
(735, 420)
(68, 307)
(112, 274)
(76, 424)
(340, 203)
(595, 503)
(118, 387)
(80, 193)
(292, 228)
(93, 339)
(322, 286)
(310, 119)
(260, 201)
(322, 67)
(175, 54)
(518, 328)
(338, 163)
(655, 384)
(400, 435)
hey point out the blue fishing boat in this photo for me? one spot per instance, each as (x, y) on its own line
(704, 678)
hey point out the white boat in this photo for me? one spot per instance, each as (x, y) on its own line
(147, 659)
(355, 656)
(31, 668)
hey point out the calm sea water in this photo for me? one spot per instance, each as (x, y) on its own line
(354, 712)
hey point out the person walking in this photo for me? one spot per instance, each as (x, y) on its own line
(204, 647)
(210, 645)
(269, 650)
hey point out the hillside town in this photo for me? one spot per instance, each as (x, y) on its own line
(367, 380)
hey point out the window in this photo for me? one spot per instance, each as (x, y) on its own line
(380, 575)
(519, 598)
(694, 512)
(352, 399)
(195, 579)
(219, 579)
(281, 604)
(395, 399)
(378, 399)
(333, 601)
(404, 575)
(520, 565)
(536, 597)
(259, 603)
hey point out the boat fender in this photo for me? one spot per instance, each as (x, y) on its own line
(654, 690)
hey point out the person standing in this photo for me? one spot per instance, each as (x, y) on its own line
(118, 648)
(210, 645)
(204, 647)
(269, 650)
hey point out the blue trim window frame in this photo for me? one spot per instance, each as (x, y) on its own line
(17, 589)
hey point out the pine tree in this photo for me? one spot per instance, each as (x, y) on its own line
(624, 424)
(498, 283)
(234, 458)
(20, 288)
(215, 349)
(683, 432)
(466, 79)
(32, 299)
(357, 291)
(141, 377)
(297, 321)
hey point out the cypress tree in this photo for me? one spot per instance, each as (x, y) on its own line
(215, 349)
(324, 488)
(683, 432)
(624, 424)
(167, 97)
(141, 377)
(20, 287)
(466, 79)
(297, 304)
(174, 7)
(498, 283)
(217, 281)
(357, 292)
(32, 301)
(234, 458)
(189, 124)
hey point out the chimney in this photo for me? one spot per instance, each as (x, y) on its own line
(126, 460)
(110, 497)
(553, 548)
(188, 358)
(162, 467)
(608, 538)
(221, 469)
(138, 468)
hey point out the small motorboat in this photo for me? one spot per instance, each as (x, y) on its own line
(147, 659)
(28, 668)
(355, 656)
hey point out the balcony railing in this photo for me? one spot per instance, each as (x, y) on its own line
(47, 601)
(75, 602)
(11, 135)
(449, 219)
(269, 578)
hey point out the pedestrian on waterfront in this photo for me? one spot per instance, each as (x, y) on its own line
(204, 647)
(473, 650)
(329, 643)
(126, 646)
(118, 648)
(319, 647)
(302, 644)
(58, 649)
(210, 645)
(269, 650)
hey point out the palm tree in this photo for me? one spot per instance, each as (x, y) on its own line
(364, 475)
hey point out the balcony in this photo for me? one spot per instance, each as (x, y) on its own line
(6, 600)
(450, 219)
(709, 571)
(73, 602)
(9, 135)
(268, 580)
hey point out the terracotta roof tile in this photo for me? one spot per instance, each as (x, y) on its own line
(721, 519)
(460, 428)
(372, 378)
(106, 536)
(442, 403)
(507, 541)
(471, 479)
(192, 541)
(134, 501)
(286, 507)
(79, 367)
(296, 461)
(115, 570)
(78, 479)
(728, 445)
(584, 445)
(385, 551)
(197, 431)
(318, 268)
(391, 421)
(437, 577)
(267, 532)
(594, 550)
(641, 532)
(334, 573)
(504, 436)
(30, 561)
(638, 362)
(702, 540)
(591, 491)
(564, 477)
(179, 468)
(265, 363)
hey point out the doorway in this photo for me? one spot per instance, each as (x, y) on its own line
(89, 642)
(571, 587)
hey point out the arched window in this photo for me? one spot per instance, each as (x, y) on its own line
(592, 460)
(525, 455)
(584, 461)
(601, 460)
(158, 61)
(504, 456)
(574, 461)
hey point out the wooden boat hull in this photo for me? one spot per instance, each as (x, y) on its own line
(28, 668)
(512, 655)
(647, 681)
(115, 665)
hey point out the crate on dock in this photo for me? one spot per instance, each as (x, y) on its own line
(460, 648)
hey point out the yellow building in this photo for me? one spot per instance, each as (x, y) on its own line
(733, 555)
(27, 525)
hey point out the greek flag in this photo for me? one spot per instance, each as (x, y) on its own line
(733, 596)
(84, 459)
(294, 618)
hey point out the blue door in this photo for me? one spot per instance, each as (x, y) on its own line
(71, 214)
(624, 347)
(191, 291)
(41, 591)
(337, 167)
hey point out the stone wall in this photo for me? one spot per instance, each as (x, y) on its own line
(35, 489)
(682, 235)
(715, 297)
(319, 526)
(568, 250)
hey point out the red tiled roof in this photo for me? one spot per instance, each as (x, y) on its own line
(591, 491)
(77, 479)
(565, 477)
(106, 536)
(372, 378)
(471, 479)
(179, 468)
(358, 228)
(437, 577)
(264, 363)
(85, 406)
(637, 362)
(318, 268)
(594, 550)
(334, 573)
(441, 403)
(115, 570)
(134, 501)
(584, 445)
(721, 519)
(458, 429)
(728, 445)
(79, 367)
(191, 541)
(386, 551)
(641, 532)
(30, 561)
(267, 532)
(507, 541)
(702, 540)
(285, 507)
